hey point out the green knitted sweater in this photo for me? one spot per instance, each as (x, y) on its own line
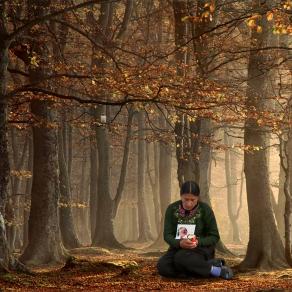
(203, 217)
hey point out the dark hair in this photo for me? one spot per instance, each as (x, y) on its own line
(190, 187)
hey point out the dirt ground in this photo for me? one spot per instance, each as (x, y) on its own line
(133, 270)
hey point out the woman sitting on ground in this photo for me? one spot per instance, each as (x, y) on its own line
(193, 254)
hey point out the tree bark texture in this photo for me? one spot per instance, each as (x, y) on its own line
(143, 219)
(67, 227)
(231, 182)
(265, 249)
(44, 238)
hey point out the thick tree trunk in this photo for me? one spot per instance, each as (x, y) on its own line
(193, 155)
(186, 147)
(286, 163)
(265, 249)
(102, 28)
(67, 227)
(7, 261)
(104, 231)
(44, 238)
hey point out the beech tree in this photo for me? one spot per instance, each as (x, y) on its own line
(7, 36)
(265, 249)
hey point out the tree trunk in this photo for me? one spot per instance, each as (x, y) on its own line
(27, 198)
(104, 231)
(143, 219)
(67, 227)
(164, 182)
(102, 29)
(265, 249)
(154, 182)
(231, 182)
(280, 205)
(93, 184)
(44, 238)
(286, 163)
(67, 141)
(12, 215)
(288, 197)
(82, 213)
(205, 159)
(7, 261)
(4, 161)
(124, 165)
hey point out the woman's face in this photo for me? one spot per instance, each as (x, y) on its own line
(189, 201)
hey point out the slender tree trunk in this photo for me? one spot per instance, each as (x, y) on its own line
(124, 165)
(164, 182)
(288, 197)
(231, 181)
(154, 182)
(205, 158)
(67, 141)
(67, 227)
(27, 198)
(131, 194)
(279, 206)
(83, 198)
(4, 161)
(70, 150)
(93, 184)
(143, 219)
(13, 204)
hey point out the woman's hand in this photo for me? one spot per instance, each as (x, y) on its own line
(189, 244)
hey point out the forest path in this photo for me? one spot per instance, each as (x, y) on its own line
(98, 269)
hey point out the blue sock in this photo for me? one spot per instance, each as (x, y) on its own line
(215, 271)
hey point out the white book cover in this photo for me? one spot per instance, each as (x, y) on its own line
(183, 230)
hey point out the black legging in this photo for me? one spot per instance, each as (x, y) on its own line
(186, 262)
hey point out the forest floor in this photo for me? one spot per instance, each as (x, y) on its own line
(96, 269)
